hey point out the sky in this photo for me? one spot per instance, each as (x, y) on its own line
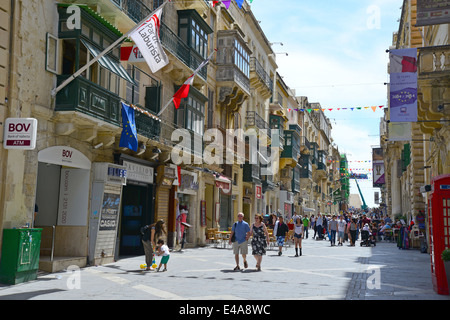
(337, 57)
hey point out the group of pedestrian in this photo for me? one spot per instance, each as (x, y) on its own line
(241, 232)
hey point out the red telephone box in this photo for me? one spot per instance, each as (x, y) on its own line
(439, 230)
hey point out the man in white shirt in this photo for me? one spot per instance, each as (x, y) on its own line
(318, 228)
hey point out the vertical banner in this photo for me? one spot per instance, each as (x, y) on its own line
(378, 167)
(403, 85)
(202, 213)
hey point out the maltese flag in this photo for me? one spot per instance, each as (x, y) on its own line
(403, 60)
(183, 92)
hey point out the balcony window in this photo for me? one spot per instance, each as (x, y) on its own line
(193, 30)
(191, 114)
(241, 58)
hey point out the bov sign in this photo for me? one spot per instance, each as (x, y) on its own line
(215, 148)
(20, 133)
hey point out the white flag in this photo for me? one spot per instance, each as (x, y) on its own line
(146, 37)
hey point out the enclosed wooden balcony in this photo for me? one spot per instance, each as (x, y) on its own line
(233, 69)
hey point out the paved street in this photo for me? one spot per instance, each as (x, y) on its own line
(322, 273)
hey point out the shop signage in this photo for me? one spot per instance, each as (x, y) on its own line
(20, 133)
(188, 182)
(258, 192)
(138, 172)
(64, 156)
(110, 208)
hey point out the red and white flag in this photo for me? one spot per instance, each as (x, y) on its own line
(183, 92)
(146, 37)
(403, 60)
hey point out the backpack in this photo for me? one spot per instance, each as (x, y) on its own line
(145, 232)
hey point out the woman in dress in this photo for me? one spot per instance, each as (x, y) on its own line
(260, 238)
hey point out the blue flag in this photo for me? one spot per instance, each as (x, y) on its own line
(239, 3)
(129, 134)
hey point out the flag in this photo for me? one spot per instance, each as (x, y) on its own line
(183, 92)
(239, 3)
(128, 138)
(146, 37)
(403, 60)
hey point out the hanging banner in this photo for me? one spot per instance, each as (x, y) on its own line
(400, 131)
(378, 167)
(403, 85)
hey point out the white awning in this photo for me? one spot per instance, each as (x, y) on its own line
(308, 209)
(108, 63)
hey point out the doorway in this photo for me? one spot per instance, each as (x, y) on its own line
(137, 211)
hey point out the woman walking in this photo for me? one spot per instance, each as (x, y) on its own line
(353, 232)
(150, 235)
(298, 235)
(259, 240)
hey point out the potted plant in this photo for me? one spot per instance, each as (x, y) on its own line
(446, 258)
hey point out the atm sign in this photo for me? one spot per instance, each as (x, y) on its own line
(20, 133)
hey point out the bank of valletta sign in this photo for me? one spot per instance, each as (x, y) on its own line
(20, 133)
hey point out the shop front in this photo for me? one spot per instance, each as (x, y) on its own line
(187, 208)
(224, 208)
(286, 203)
(165, 201)
(138, 207)
(62, 205)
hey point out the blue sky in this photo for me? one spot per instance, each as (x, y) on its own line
(337, 57)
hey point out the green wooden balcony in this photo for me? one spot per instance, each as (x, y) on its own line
(86, 97)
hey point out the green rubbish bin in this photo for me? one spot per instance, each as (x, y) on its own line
(20, 255)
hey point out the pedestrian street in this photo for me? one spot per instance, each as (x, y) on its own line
(321, 273)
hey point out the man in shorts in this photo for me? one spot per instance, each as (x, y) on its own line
(241, 231)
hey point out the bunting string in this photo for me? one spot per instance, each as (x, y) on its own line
(373, 108)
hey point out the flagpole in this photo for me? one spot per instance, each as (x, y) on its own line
(118, 41)
(165, 107)
(195, 72)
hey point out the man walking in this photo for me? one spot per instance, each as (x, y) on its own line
(241, 232)
(333, 227)
(305, 227)
(341, 230)
(319, 230)
(280, 231)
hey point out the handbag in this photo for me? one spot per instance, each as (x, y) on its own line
(233, 238)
